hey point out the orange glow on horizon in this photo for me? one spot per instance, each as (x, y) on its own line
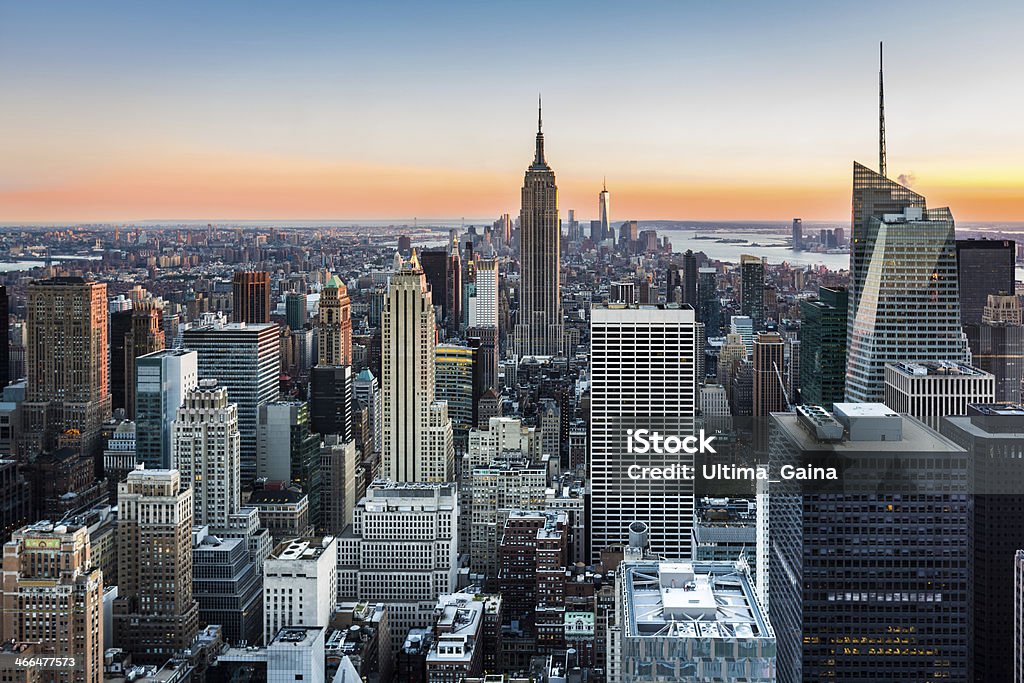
(215, 188)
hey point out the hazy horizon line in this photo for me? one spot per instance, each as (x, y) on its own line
(413, 222)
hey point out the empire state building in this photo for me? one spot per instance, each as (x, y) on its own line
(539, 327)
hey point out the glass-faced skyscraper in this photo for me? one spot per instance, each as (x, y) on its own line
(246, 360)
(988, 267)
(904, 298)
(539, 329)
(603, 201)
(752, 293)
(823, 347)
(868, 579)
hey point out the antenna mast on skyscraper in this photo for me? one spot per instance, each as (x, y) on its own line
(881, 116)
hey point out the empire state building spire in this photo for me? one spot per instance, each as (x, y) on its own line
(538, 159)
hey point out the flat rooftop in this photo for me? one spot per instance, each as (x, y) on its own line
(642, 313)
(725, 511)
(864, 409)
(459, 614)
(691, 600)
(916, 437)
(1000, 409)
(298, 636)
(931, 368)
(299, 549)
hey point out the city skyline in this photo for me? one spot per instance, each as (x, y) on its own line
(202, 123)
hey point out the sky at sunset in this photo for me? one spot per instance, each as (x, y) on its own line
(341, 110)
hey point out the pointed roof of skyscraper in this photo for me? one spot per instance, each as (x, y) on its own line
(365, 375)
(334, 282)
(538, 159)
(881, 117)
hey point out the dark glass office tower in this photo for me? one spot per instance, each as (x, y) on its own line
(443, 270)
(673, 284)
(823, 347)
(984, 267)
(689, 282)
(869, 581)
(752, 290)
(992, 435)
(5, 341)
(120, 328)
(330, 400)
(295, 310)
(997, 346)
(709, 308)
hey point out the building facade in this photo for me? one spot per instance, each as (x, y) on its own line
(823, 347)
(334, 324)
(412, 424)
(155, 614)
(904, 296)
(930, 390)
(52, 595)
(245, 359)
(643, 375)
(205, 449)
(300, 583)
(898, 510)
(539, 327)
(66, 363)
(985, 267)
(688, 621)
(401, 551)
(250, 297)
(164, 378)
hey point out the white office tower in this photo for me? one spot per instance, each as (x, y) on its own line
(907, 304)
(366, 391)
(931, 390)
(643, 376)
(483, 303)
(205, 448)
(688, 621)
(297, 654)
(401, 551)
(163, 378)
(417, 446)
(299, 584)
